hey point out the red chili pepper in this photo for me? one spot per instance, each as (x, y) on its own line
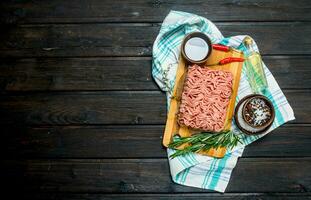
(230, 60)
(221, 47)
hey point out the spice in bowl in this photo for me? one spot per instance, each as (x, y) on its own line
(196, 48)
(256, 112)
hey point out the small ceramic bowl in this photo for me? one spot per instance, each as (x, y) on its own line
(239, 116)
(267, 102)
(196, 35)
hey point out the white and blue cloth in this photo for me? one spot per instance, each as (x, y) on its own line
(193, 169)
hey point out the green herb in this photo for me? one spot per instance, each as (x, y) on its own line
(204, 142)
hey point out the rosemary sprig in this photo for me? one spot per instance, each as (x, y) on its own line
(204, 142)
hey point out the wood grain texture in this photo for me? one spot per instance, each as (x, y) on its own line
(130, 142)
(136, 39)
(73, 128)
(107, 108)
(172, 126)
(84, 108)
(150, 10)
(148, 176)
(76, 74)
(180, 196)
(128, 73)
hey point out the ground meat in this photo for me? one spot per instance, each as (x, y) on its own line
(205, 98)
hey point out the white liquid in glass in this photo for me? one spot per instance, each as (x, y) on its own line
(196, 49)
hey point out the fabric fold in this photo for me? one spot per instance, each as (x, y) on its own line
(193, 169)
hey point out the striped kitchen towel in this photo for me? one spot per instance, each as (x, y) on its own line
(194, 169)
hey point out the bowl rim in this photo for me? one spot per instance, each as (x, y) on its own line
(268, 103)
(237, 110)
(202, 36)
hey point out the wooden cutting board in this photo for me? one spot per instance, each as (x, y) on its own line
(172, 128)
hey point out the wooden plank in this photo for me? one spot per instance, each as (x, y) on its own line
(76, 74)
(67, 40)
(189, 196)
(128, 73)
(148, 176)
(136, 107)
(84, 108)
(150, 11)
(130, 142)
(290, 72)
(172, 127)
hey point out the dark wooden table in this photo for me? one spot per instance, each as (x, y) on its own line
(81, 117)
